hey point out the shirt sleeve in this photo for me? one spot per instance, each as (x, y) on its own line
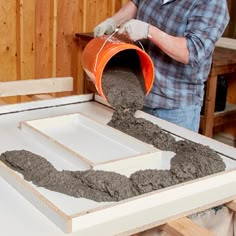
(205, 26)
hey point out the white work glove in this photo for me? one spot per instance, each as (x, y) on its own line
(106, 27)
(135, 29)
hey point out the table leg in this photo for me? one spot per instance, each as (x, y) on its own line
(208, 120)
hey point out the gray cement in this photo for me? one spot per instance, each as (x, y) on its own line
(95, 185)
(125, 91)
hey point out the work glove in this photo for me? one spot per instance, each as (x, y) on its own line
(106, 27)
(135, 29)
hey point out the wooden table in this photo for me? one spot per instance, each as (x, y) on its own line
(19, 216)
(224, 62)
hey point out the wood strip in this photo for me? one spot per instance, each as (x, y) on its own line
(2, 102)
(68, 11)
(79, 82)
(51, 85)
(66, 46)
(27, 41)
(18, 40)
(117, 5)
(8, 44)
(231, 205)
(184, 227)
(43, 66)
(27, 35)
(37, 97)
(53, 36)
(110, 6)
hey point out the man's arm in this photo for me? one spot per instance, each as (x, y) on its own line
(127, 12)
(205, 26)
(175, 47)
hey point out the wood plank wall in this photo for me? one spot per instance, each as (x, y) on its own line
(37, 37)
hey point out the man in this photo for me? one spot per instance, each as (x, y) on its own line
(181, 37)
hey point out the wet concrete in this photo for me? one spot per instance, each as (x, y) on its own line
(95, 185)
(125, 92)
(144, 130)
(191, 160)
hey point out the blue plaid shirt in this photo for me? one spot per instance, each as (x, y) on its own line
(202, 22)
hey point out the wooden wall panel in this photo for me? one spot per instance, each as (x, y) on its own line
(95, 12)
(79, 82)
(8, 44)
(67, 24)
(27, 39)
(37, 36)
(43, 38)
(8, 48)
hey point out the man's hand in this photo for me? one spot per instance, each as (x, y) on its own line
(135, 29)
(106, 27)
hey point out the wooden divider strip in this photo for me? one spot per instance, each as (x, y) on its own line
(50, 85)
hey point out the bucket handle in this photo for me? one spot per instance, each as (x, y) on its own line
(103, 45)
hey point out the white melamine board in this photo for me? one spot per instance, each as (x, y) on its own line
(4, 109)
(155, 160)
(56, 201)
(91, 141)
(127, 216)
(160, 206)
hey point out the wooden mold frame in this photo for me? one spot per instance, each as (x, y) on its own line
(138, 213)
(131, 215)
(83, 138)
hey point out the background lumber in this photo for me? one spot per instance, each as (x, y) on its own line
(184, 227)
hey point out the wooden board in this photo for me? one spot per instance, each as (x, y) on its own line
(25, 87)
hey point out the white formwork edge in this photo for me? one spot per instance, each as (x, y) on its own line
(134, 214)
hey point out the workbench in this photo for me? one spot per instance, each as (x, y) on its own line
(223, 63)
(19, 216)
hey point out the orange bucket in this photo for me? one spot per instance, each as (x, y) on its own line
(99, 51)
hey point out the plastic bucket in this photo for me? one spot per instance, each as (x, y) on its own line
(99, 51)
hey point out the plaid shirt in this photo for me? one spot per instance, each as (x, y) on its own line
(202, 23)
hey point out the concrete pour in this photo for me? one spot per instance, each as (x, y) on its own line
(125, 91)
